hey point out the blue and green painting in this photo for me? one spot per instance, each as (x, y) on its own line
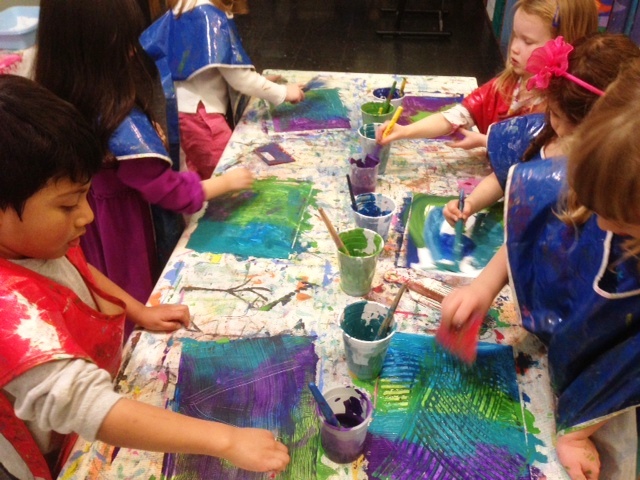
(431, 242)
(322, 109)
(258, 383)
(438, 418)
(263, 222)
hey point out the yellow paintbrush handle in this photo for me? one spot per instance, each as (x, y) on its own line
(393, 121)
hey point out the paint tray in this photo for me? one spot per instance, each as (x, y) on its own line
(18, 26)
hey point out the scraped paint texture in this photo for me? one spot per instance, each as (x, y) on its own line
(430, 240)
(258, 382)
(438, 419)
(263, 222)
(322, 109)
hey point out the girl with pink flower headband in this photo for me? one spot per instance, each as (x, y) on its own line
(534, 23)
(571, 80)
(575, 276)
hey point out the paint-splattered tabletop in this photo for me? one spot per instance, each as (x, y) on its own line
(259, 272)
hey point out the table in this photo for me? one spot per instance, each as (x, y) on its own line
(231, 296)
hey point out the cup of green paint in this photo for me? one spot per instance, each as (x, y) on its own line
(353, 409)
(358, 268)
(360, 323)
(371, 148)
(375, 212)
(371, 112)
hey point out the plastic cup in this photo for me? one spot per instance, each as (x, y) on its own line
(367, 137)
(370, 113)
(360, 322)
(353, 408)
(358, 268)
(375, 212)
(381, 94)
(364, 175)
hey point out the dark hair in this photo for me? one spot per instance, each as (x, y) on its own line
(597, 59)
(89, 54)
(42, 138)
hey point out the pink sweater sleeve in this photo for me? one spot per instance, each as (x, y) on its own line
(179, 192)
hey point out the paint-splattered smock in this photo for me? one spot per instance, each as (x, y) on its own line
(121, 242)
(508, 140)
(487, 106)
(44, 321)
(573, 295)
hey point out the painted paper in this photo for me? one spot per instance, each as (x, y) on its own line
(262, 222)
(438, 419)
(430, 239)
(415, 108)
(257, 382)
(321, 109)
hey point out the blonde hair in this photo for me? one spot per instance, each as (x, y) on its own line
(572, 19)
(604, 157)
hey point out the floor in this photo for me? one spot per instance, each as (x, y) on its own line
(340, 35)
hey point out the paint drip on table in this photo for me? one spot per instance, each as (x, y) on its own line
(436, 418)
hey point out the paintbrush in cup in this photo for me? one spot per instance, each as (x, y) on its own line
(332, 231)
(324, 406)
(387, 103)
(353, 197)
(384, 326)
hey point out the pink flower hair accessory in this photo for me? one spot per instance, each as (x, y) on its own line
(552, 60)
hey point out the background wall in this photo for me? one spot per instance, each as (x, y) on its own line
(15, 3)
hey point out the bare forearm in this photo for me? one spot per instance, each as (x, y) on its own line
(486, 193)
(495, 275)
(429, 127)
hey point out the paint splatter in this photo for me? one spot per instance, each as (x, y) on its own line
(259, 383)
(264, 222)
(322, 109)
(439, 419)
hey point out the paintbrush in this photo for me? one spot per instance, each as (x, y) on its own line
(324, 406)
(332, 231)
(402, 85)
(353, 197)
(461, 342)
(384, 326)
(387, 103)
(457, 246)
(393, 121)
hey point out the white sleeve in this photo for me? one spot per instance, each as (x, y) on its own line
(251, 83)
(63, 396)
(459, 116)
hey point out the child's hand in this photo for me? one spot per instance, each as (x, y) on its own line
(578, 456)
(294, 93)
(237, 179)
(471, 140)
(396, 133)
(164, 318)
(463, 304)
(452, 213)
(256, 450)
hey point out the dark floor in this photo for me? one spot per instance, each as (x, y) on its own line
(340, 35)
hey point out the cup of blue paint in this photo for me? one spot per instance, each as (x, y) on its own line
(371, 112)
(358, 268)
(381, 94)
(353, 408)
(375, 212)
(360, 322)
(371, 148)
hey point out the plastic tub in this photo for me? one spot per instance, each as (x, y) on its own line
(18, 26)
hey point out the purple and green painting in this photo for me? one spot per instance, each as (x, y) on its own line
(257, 382)
(416, 108)
(263, 222)
(431, 241)
(439, 419)
(322, 109)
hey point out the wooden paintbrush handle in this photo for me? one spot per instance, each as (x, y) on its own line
(427, 292)
(332, 232)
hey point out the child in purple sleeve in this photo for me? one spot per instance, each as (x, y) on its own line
(89, 54)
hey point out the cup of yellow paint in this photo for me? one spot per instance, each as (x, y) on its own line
(353, 409)
(360, 322)
(358, 268)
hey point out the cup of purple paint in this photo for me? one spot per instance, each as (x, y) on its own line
(353, 409)
(375, 212)
(364, 174)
